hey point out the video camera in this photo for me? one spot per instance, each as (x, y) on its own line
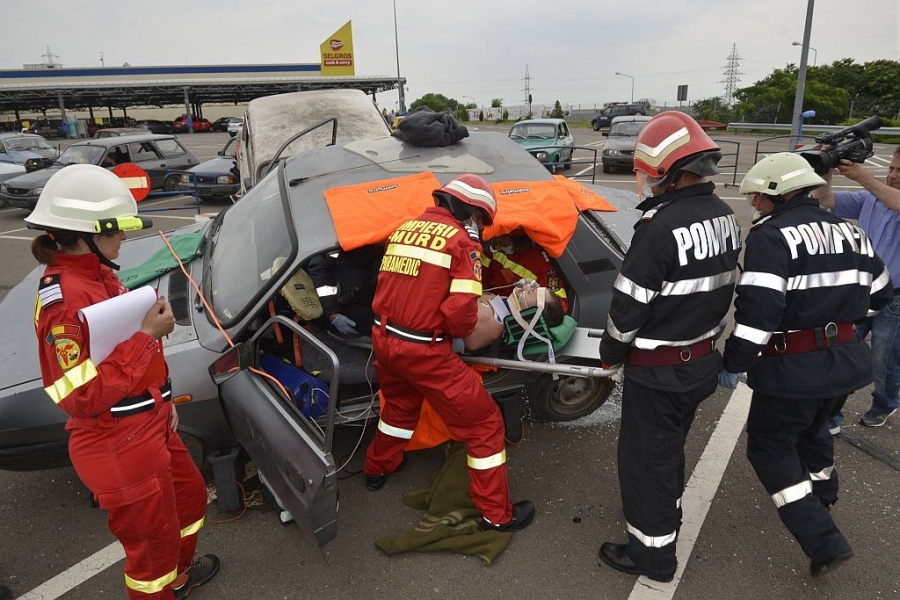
(853, 143)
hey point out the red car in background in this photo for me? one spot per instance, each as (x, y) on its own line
(199, 124)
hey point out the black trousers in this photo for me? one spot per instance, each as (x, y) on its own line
(792, 452)
(654, 426)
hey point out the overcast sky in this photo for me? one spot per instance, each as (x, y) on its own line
(470, 50)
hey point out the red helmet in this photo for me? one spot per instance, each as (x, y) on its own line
(672, 142)
(474, 191)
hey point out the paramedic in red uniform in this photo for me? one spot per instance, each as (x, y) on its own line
(122, 439)
(428, 290)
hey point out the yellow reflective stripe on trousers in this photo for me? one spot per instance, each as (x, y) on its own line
(514, 266)
(404, 434)
(151, 587)
(432, 257)
(465, 286)
(71, 380)
(793, 493)
(193, 527)
(649, 540)
(488, 462)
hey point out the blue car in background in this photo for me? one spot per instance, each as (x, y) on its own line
(27, 149)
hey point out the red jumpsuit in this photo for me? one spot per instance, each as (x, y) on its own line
(526, 263)
(428, 289)
(120, 442)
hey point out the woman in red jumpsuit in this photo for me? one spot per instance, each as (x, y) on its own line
(427, 293)
(122, 439)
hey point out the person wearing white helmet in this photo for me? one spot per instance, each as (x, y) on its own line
(669, 304)
(808, 276)
(428, 289)
(122, 439)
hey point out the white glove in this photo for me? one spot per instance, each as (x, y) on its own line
(344, 325)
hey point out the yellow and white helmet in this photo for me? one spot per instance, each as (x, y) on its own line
(778, 174)
(87, 199)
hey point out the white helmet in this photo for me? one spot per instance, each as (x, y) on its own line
(780, 173)
(87, 199)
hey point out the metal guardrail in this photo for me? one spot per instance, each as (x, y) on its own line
(732, 155)
(556, 167)
(807, 127)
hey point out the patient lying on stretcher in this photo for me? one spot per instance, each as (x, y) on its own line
(492, 309)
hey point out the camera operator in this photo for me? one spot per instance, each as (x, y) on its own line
(877, 210)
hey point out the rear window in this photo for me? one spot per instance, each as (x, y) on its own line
(170, 147)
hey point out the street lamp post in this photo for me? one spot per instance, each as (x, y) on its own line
(397, 50)
(632, 83)
(815, 52)
(801, 74)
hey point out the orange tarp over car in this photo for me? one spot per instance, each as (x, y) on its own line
(546, 210)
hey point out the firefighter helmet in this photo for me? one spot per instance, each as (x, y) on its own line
(472, 190)
(87, 199)
(673, 142)
(778, 174)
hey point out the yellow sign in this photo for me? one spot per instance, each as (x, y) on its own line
(337, 53)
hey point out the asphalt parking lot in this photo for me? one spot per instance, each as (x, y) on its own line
(53, 544)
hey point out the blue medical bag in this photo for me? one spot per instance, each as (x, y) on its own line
(310, 393)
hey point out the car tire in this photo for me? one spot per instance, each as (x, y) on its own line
(195, 447)
(595, 125)
(606, 168)
(568, 163)
(171, 183)
(568, 398)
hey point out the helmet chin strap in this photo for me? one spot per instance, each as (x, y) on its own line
(89, 240)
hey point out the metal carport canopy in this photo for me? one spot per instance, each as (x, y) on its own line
(37, 90)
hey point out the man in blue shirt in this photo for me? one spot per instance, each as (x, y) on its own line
(876, 208)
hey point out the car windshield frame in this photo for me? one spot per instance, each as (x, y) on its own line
(19, 144)
(533, 131)
(252, 234)
(82, 154)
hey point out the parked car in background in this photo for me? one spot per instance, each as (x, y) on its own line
(199, 124)
(155, 126)
(156, 154)
(221, 124)
(118, 131)
(548, 140)
(217, 178)
(604, 117)
(618, 151)
(234, 126)
(45, 128)
(30, 151)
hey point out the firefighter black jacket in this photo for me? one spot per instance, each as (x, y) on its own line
(804, 268)
(675, 286)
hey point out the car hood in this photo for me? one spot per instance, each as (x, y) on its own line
(18, 345)
(35, 179)
(620, 142)
(221, 165)
(20, 156)
(530, 144)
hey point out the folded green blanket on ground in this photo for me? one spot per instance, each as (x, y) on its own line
(162, 261)
(451, 520)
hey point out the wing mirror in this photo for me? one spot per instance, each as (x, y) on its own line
(235, 360)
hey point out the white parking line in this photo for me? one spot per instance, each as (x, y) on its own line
(77, 574)
(700, 492)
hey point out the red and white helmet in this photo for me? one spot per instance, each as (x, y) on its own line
(670, 143)
(474, 191)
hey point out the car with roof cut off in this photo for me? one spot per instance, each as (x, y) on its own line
(248, 258)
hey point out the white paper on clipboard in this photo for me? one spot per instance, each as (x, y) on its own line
(115, 320)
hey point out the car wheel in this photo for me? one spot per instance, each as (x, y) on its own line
(595, 125)
(606, 168)
(568, 398)
(568, 163)
(171, 183)
(195, 448)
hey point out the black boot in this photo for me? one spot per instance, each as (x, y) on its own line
(376, 482)
(522, 516)
(820, 567)
(616, 556)
(203, 569)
